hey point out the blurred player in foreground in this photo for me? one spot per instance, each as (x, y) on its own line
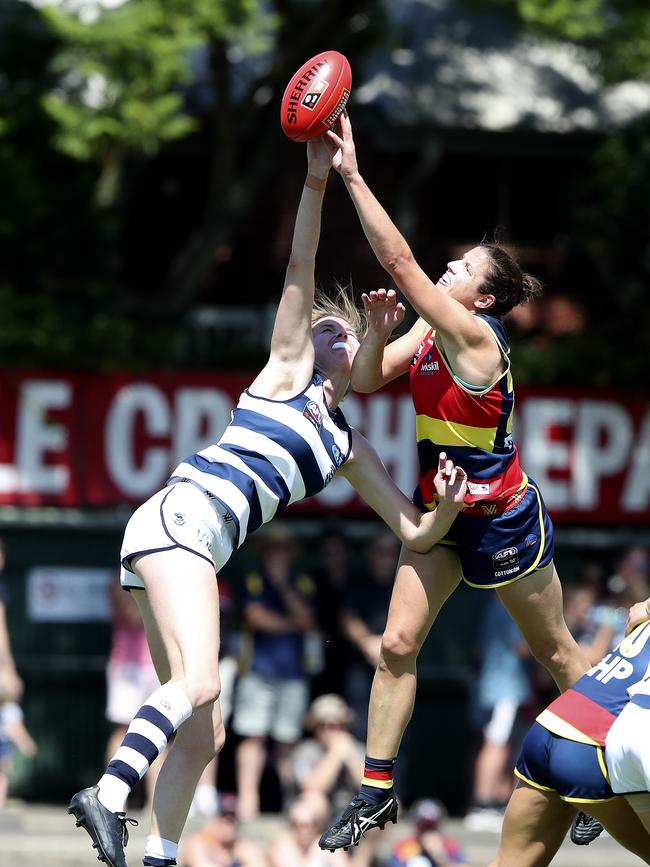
(286, 441)
(458, 357)
(588, 746)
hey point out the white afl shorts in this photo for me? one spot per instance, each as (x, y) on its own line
(179, 516)
(627, 751)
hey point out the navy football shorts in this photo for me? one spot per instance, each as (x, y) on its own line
(576, 772)
(495, 551)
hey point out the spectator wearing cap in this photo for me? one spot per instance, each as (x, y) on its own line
(331, 760)
(271, 698)
(428, 846)
(218, 843)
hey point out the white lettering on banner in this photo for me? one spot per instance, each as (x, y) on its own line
(200, 417)
(540, 454)
(119, 445)
(603, 437)
(37, 436)
(636, 493)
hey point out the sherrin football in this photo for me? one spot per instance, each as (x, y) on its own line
(316, 96)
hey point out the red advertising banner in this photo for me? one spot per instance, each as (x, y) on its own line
(89, 440)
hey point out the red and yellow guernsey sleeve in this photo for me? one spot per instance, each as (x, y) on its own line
(473, 426)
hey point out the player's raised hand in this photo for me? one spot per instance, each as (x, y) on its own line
(341, 144)
(383, 311)
(450, 481)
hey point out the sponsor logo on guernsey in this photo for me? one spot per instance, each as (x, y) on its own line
(429, 367)
(313, 414)
(506, 562)
(330, 475)
(336, 453)
(476, 488)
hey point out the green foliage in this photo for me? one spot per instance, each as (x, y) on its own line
(120, 75)
(618, 31)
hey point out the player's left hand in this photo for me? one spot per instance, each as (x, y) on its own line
(450, 481)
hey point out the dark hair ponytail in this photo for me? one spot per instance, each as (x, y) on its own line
(507, 282)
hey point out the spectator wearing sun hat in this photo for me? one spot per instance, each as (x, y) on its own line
(427, 846)
(331, 760)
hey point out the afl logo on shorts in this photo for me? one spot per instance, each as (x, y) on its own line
(313, 414)
(505, 562)
(179, 518)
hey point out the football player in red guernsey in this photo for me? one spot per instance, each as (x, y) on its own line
(462, 386)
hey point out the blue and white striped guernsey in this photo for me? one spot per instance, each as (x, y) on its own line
(273, 453)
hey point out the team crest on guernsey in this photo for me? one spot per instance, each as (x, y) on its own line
(313, 414)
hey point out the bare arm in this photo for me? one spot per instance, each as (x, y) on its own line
(291, 360)
(417, 530)
(457, 325)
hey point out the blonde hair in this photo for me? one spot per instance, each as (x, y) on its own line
(340, 304)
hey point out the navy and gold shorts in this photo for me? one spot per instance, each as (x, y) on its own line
(576, 772)
(495, 551)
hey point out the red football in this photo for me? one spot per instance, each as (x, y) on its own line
(316, 96)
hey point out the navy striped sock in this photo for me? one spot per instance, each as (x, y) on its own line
(152, 861)
(377, 783)
(147, 736)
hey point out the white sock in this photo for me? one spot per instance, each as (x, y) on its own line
(158, 847)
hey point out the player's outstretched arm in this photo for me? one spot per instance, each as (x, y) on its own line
(291, 359)
(445, 314)
(417, 530)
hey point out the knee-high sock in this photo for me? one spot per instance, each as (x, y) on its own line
(147, 736)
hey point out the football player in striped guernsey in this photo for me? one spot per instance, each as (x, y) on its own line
(457, 354)
(286, 441)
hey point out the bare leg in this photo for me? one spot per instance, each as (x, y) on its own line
(624, 825)
(422, 585)
(195, 745)
(249, 760)
(534, 826)
(640, 803)
(535, 603)
(202, 735)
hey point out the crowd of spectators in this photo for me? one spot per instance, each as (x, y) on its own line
(299, 648)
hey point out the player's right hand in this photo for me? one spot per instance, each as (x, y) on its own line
(383, 311)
